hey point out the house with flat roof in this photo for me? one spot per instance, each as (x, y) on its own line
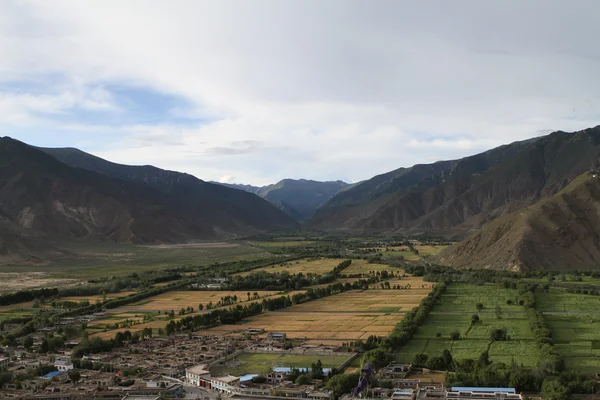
(403, 394)
(482, 393)
(63, 366)
(4, 363)
(197, 375)
(225, 384)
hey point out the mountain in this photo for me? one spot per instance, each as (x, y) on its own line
(557, 233)
(299, 198)
(456, 197)
(41, 196)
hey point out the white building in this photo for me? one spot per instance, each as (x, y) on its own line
(482, 393)
(226, 384)
(196, 374)
(63, 366)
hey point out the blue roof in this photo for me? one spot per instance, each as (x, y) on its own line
(288, 369)
(482, 389)
(247, 377)
(51, 374)
(403, 393)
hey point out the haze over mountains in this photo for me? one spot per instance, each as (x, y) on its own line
(299, 198)
(526, 205)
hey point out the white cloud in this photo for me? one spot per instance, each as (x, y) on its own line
(342, 89)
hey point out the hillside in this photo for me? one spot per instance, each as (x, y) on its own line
(299, 198)
(456, 197)
(561, 232)
(43, 197)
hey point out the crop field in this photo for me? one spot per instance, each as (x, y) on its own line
(363, 267)
(372, 300)
(558, 300)
(93, 298)
(326, 328)
(182, 299)
(319, 266)
(575, 335)
(428, 250)
(454, 313)
(464, 298)
(258, 363)
(406, 283)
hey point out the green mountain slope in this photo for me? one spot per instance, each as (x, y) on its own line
(299, 198)
(561, 232)
(456, 197)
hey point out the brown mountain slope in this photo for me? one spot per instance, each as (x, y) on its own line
(457, 197)
(40, 196)
(561, 232)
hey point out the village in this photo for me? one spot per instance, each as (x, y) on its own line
(195, 367)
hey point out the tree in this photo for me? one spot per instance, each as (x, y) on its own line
(447, 357)
(553, 389)
(436, 363)
(498, 312)
(455, 335)
(343, 383)
(303, 379)
(28, 342)
(479, 306)
(74, 375)
(420, 360)
(474, 318)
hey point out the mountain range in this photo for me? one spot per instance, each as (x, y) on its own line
(66, 193)
(299, 198)
(527, 205)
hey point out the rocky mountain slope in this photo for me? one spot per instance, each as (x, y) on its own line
(299, 198)
(456, 197)
(557, 233)
(41, 196)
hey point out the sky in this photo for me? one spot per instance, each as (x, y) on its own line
(256, 91)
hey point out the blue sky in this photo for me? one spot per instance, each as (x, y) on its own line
(254, 93)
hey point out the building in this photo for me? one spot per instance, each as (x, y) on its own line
(404, 394)
(276, 336)
(4, 363)
(278, 375)
(197, 375)
(482, 393)
(63, 366)
(226, 384)
(394, 370)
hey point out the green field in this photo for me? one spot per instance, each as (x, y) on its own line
(461, 299)
(113, 259)
(292, 243)
(576, 336)
(261, 363)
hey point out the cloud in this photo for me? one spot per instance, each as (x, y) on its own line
(269, 89)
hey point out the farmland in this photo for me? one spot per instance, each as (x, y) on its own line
(326, 328)
(454, 313)
(176, 300)
(264, 363)
(344, 317)
(319, 267)
(575, 327)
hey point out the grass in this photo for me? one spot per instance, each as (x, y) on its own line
(462, 297)
(292, 243)
(475, 338)
(259, 363)
(576, 336)
(113, 259)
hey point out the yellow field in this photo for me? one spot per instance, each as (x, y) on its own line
(376, 300)
(18, 306)
(426, 250)
(319, 328)
(183, 299)
(319, 267)
(93, 298)
(363, 267)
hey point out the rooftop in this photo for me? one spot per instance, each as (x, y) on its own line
(247, 377)
(226, 379)
(482, 389)
(289, 369)
(51, 374)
